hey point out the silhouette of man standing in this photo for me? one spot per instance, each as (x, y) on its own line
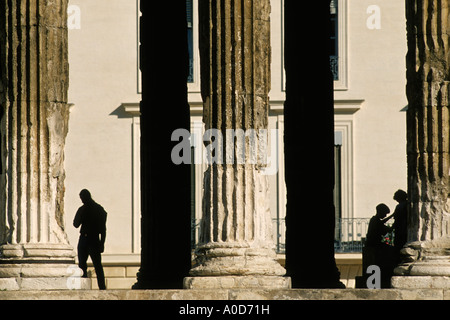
(400, 215)
(92, 218)
(400, 225)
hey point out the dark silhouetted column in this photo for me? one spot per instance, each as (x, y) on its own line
(165, 258)
(309, 143)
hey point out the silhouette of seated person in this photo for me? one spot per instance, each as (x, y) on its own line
(376, 251)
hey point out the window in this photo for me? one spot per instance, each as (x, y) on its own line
(190, 35)
(337, 183)
(190, 38)
(338, 42)
(334, 39)
(337, 174)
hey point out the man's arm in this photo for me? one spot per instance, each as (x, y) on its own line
(103, 231)
(387, 218)
(77, 219)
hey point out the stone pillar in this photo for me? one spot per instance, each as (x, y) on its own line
(309, 146)
(426, 257)
(236, 249)
(34, 249)
(165, 186)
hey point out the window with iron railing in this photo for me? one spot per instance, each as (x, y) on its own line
(351, 234)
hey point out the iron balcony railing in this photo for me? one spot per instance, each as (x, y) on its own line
(350, 234)
(334, 65)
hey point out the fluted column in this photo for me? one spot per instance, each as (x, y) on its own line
(426, 258)
(236, 248)
(33, 127)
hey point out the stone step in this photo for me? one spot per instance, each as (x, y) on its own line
(231, 294)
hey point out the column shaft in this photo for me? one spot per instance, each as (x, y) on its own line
(309, 146)
(34, 84)
(428, 118)
(165, 186)
(33, 127)
(428, 61)
(236, 236)
(236, 73)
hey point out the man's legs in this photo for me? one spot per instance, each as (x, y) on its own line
(83, 254)
(96, 257)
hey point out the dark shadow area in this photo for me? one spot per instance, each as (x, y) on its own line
(165, 187)
(309, 146)
(120, 113)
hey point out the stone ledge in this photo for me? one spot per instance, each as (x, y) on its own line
(231, 294)
(419, 282)
(229, 282)
(26, 286)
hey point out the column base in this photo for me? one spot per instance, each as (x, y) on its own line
(10, 253)
(236, 259)
(42, 276)
(236, 265)
(424, 265)
(237, 282)
(420, 282)
(40, 267)
(431, 273)
(48, 283)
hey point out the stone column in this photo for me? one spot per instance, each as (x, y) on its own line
(165, 185)
(34, 249)
(236, 247)
(309, 146)
(426, 257)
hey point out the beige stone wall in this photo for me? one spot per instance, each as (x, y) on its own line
(350, 267)
(117, 276)
(376, 74)
(99, 150)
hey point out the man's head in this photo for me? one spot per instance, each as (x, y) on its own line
(85, 196)
(382, 210)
